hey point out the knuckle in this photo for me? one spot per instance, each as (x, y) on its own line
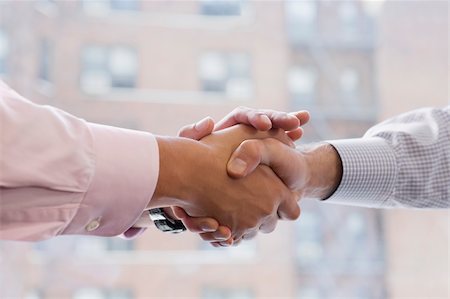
(241, 108)
(185, 130)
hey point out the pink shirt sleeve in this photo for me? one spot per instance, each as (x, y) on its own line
(61, 175)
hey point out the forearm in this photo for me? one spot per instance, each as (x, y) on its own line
(61, 174)
(402, 162)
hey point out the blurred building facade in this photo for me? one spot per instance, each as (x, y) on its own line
(158, 65)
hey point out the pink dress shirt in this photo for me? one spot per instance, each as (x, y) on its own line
(61, 175)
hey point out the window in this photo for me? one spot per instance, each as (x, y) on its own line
(302, 84)
(104, 68)
(103, 7)
(4, 51)
(226, 73)
(348, 15)
(301, 19)
(221, 7)
(349, 82)
(44, 60)
(123, 67)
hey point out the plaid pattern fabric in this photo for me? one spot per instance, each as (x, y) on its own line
(401, 162)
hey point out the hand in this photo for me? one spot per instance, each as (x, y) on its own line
(193, 176)
(208, 228)
(259, 119)
(311, 173)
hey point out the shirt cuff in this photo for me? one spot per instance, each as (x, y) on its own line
(369, 171)
(126, 173)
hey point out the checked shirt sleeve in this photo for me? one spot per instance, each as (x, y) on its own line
(402, 162)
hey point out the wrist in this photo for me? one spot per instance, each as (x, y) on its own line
(174, 187)
(324, 168)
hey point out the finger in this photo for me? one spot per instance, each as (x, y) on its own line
(289, 209)
(195, 224)
(227, 243)
(237, 236)
(303, 116)
(236, 242)
(198, 130)
(262, 119)
(244, 115)
(223, 233)
(143, 221)
(269, 225)
(245, 158)
(201, 224)
(295, 134)
(250, 235)
(179, 213)
(250, 153)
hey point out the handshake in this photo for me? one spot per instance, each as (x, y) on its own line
(230, 180)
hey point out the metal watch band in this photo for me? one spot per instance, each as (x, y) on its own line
(164, 222)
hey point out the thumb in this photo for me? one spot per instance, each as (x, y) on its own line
(245, 158)
(250, 153)
(198, 130)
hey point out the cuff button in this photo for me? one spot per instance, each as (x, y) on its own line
(93, 225)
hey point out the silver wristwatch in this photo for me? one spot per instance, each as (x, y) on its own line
(164, 223)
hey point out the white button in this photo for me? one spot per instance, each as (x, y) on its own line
(93, 225)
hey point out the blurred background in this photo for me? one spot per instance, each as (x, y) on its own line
(159, 65)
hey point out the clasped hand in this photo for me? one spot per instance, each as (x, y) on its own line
(194, 176)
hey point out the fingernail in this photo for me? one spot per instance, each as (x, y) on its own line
(238, 165)
(202, 125)
(207, 228)
(221, 238)
(224, 244)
